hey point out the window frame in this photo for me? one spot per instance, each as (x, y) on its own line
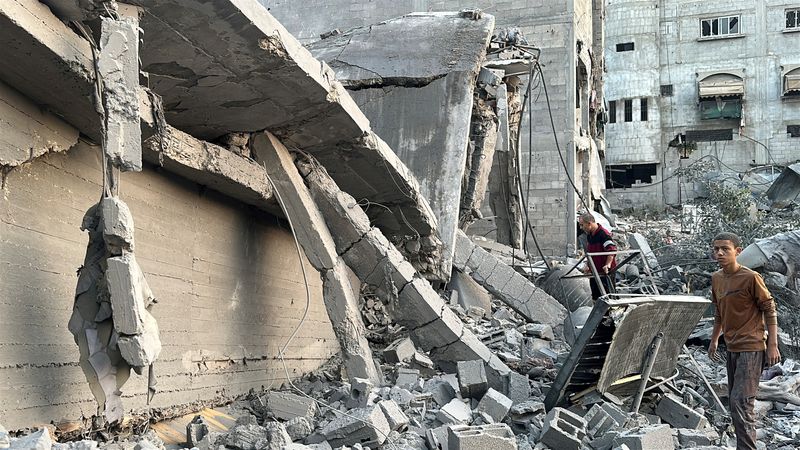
(622, 47)
(612, 111)
(796, 27)
(643, 112)
(627, 108)
(717, 21)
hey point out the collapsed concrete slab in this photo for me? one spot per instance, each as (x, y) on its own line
(411, 300)
(341, 298)
(273, 83)
(27, 132)
(45, 52)
(505, 283)
(414, 77)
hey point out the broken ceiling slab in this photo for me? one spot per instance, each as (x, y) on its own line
(786, 188)
(52, 65)
(212, 166)
(228, 66)
(616, 337)
(27, 132)
(414, 77)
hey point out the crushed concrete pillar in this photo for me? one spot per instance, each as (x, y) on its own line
(505, 283)
(313, 234)
(412, 301)
(118, 65)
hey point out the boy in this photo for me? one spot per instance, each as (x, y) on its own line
(743, 309)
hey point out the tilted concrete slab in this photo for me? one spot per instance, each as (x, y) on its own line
(48, 63)
(411, 300)
(228, 66)
(414, 77)
(505, 283)
(211, 166)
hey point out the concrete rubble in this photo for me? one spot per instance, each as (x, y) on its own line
(446, 341)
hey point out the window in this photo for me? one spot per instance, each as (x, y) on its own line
(666, 90)
(628, 110)
(643, 108)
(793, 19)
(793, 130)
(612, 111)
(719, 26)
(625, 47)
(626, 175)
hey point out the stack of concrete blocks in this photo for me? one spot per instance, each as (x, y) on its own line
(506, 284)
(674, 412)
(563, 430)
(412, 301)
(482, 437)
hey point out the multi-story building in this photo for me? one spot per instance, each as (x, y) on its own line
(569, 35)
(692, 80)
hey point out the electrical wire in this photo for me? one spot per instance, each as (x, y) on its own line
(282, 351)
(555, 137)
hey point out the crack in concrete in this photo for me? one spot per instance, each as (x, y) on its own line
(383, 82)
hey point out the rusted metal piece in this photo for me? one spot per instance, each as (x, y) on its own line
(646, 370)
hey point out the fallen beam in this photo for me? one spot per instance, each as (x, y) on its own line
(341, 298)
(411, 300)
(505, 283)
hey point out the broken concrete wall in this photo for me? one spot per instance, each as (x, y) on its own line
(227, 277)
(414, 77)
(563, 30)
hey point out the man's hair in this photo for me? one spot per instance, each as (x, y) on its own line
(726, 236)
(587, 217)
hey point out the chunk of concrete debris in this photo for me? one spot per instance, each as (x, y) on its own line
(407, 378)
(455, 412)
(494, 406)
(128, 291)
(672, 411)
(38, 440)
(423, 363)
(287, 406)
(365, 426)
(695, 438)
(437, 438)
(117, 225)
(483, 437)
(398, 420)
(250, 436)
(472, 380)
(118, 65)
(142, 349)
(469, 292)
(563, 430)
(196, 430)
(646, 438)
(524, 413)
(278, 437)
(299, 428)
(441, 390)
(401, 350)
(518, 387)
(360, 393)
(599, 421)
(540, 330)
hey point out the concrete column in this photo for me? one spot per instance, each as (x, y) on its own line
(340, 297)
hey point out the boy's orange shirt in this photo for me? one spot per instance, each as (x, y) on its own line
(743, 307)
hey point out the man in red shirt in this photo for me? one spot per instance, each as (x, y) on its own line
(599, 240)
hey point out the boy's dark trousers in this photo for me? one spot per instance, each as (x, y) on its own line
(608, 285)
(744, 373)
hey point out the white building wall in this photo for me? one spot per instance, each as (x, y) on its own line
(670, 51)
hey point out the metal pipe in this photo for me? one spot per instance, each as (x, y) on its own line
(647, 369)
(705, 380)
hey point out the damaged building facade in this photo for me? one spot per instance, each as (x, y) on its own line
(530, 188)
(693, 81)
(260, 214)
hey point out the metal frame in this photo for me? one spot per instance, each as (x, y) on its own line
(633, 254)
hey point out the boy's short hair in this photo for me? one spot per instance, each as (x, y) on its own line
(587, 217)
(726, 236)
